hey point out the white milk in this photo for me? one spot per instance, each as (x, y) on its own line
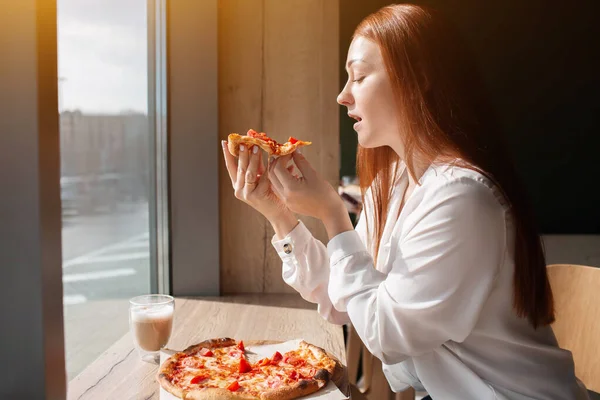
(151, 326)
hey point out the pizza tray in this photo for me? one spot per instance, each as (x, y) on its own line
(256, 350)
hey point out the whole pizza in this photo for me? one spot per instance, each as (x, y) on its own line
(223, 369)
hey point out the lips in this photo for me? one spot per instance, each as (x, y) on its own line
(354, 116)
(358, 120)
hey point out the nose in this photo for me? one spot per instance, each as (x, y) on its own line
(345, 98)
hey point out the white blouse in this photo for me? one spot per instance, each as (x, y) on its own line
(437, 309)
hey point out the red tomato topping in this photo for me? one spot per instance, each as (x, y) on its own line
(293, 140)
(262, 136)
(295, 361)
(233, 387)
(277, 357)
(198, 379)
(241, 345)
(244, 366)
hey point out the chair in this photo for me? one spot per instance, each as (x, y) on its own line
(576, 290)
(372, 384)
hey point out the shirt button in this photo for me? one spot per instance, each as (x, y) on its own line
(287, 248)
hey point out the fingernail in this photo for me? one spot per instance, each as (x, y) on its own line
(223, 143)
(242, 147)
(299, 150)
(255, 149)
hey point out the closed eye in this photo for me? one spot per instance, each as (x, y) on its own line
(359, 79)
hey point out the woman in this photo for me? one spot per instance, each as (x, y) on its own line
(444, 278)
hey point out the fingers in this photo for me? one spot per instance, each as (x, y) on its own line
(251, 176)
(230, 162)
(283, 175)
(275, 183)
(263, 180)
(304, 166)
(261, 164)
(241, 172)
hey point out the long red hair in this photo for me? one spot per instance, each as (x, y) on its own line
(445, 116)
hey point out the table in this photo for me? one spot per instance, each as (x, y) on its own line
(119, 373)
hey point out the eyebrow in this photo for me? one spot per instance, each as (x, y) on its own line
(350, 62)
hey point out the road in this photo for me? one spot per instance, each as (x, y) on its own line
(106, 261)
(106, 256)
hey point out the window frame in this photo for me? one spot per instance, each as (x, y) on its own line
(160, 273)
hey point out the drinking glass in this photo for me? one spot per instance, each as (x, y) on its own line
(151, 324)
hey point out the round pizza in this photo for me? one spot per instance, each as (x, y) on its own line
(271, 146)
(223, 369)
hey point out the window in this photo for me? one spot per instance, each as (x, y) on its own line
(105, 170)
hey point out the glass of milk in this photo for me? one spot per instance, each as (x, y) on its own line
(151, 323)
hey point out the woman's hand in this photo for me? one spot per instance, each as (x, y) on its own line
(309, 194)
(251, 183)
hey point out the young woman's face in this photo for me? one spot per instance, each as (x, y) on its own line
(369, 98)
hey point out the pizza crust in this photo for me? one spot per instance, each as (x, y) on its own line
(216, 394)
(168, 385)
(210, 344)
(289, 148)
(332, 364)
(302, 388)
(234, 140)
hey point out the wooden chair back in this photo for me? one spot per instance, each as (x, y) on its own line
(576, 290)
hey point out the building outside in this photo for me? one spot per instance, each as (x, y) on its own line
(104, 160)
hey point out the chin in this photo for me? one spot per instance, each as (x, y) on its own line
(364, 142)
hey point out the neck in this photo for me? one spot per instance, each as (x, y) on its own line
(419, 167)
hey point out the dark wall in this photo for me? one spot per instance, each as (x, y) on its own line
(541, 61)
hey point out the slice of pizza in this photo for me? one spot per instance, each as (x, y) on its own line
(271, 146)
